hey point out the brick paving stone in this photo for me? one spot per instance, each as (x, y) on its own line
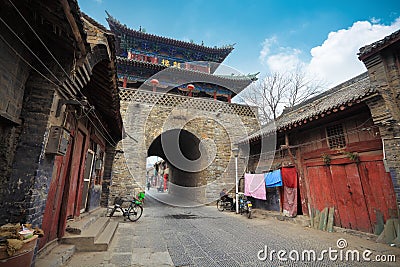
(160, 239)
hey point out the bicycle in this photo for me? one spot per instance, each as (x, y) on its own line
(133, 212)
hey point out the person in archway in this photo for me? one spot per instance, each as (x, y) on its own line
(225, 197)
(148, 184)
(166, 176)
(161, 176)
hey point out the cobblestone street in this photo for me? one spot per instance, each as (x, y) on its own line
(174, 236)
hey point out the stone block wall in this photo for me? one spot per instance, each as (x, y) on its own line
(384, 73)
(215, 124)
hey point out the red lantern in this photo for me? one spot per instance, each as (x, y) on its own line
(154, 82)
(190, 87)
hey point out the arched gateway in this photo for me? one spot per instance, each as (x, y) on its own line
(174, 106)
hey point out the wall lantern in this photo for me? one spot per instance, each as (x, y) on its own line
(154, 82)
(190, 87)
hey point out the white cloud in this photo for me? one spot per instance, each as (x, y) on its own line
(266, 48)
(287, 60)
(335, 60)
(375, 20)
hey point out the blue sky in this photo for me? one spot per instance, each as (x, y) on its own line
(323, 36)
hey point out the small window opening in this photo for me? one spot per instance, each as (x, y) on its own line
(336, 138)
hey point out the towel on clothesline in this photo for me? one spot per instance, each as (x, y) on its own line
(289, 177)
(273, 178)
(289, 201)
(254, 186)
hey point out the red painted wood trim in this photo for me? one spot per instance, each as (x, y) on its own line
(359, 147)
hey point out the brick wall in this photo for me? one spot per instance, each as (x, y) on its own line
(25, 198)
(383, 70)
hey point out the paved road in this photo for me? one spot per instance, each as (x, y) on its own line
(203, 236)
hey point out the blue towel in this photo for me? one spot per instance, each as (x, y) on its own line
(273, 179)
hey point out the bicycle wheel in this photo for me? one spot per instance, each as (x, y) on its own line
(112, 212)
(134, 213)
(220, 205)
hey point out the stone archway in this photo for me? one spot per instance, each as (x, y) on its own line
(202, 131)
(189, 147)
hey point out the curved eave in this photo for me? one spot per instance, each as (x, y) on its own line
(102, 90)
(237, 82)
(116, 26)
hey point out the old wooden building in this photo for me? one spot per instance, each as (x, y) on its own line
(344, 144)
(59, 113)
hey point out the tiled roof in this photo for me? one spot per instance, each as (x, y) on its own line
(336, 99)
(94, 22)
(240, 81)
(225, 50)
(376, 46)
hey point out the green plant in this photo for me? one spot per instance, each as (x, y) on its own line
(327, 159)
(354, 156)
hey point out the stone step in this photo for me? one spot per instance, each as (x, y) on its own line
(56, 257)
(97, 227)
(86, 241)
(83, 222)
(104, 239)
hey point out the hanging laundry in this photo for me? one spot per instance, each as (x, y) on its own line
(273, 178)
(289, 201)
(289, 177)
(254, 186)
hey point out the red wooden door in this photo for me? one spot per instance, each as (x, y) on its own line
(381, 194)
(75, 172)
(357, 191)
(321, 193)
(352, 194)
(52, 214)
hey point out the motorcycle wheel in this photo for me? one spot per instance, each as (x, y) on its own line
(220, 205)
(249, 214)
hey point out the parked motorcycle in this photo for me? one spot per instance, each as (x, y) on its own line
(245, 205)
(224, 205)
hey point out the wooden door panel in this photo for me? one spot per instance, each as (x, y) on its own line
(384, 198)
(343, 200)
(74, 173)
(370, 191)
(52, 214)
(327, 189)
(312, 175)
(356, 192)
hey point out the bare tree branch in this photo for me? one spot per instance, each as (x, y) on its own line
(278, 90)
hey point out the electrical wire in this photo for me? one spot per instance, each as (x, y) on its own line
(30, 50)
(112, 142)
(94, 112)
(26, 62)
(30, 27)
